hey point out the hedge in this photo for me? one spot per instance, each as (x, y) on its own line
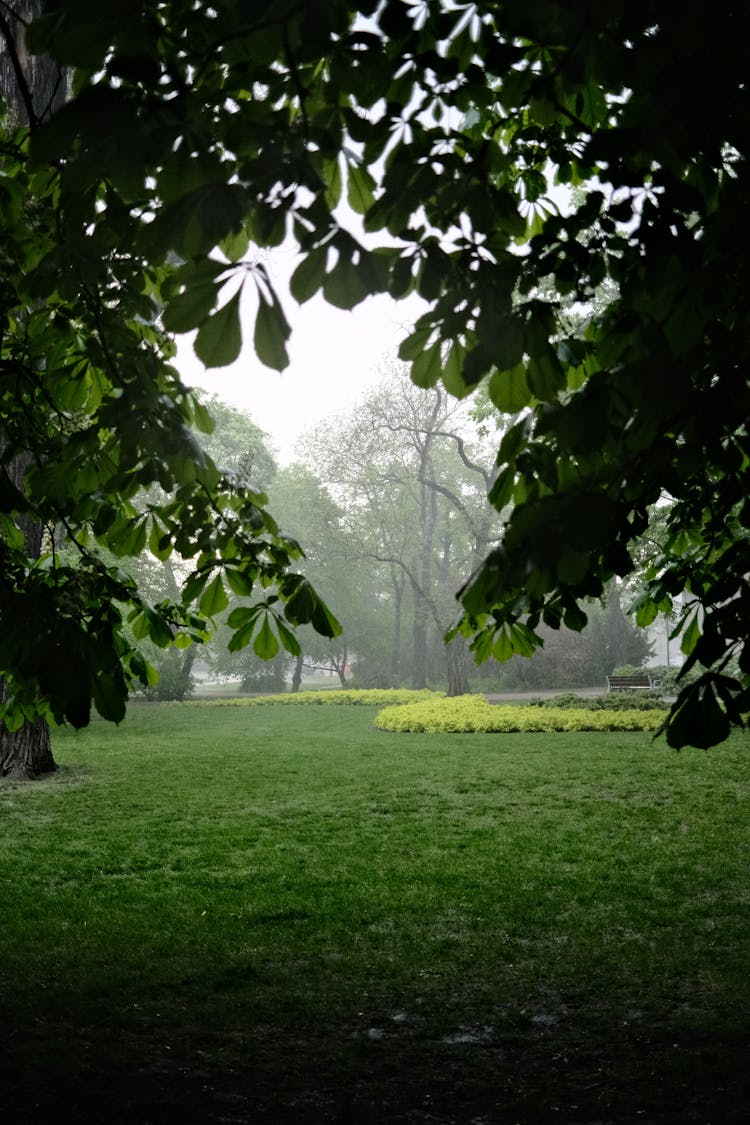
(361, 697)
(472, 714)
(612, 701)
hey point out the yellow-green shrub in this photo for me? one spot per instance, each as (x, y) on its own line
(361, 697)
(472, 714)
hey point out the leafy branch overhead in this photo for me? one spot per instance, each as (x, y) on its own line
(505, 161)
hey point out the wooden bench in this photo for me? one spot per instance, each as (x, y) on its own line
(632, 683)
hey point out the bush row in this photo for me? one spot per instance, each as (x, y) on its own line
(472, 714)
(612, 701)
(363, 697)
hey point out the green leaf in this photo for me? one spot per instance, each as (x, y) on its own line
(235, 245)
(427, 367)
(506, 348)
(360, 189)
(271, 334)
(502, 489)
(691, 636)
(219, 340)
(214, 598)
(332, 179)
(127, 537)
(482, 645)
(189, 309)
(646, 611)
(159, 542)
(574, 618)
(242, 637)
(453, 371)
(524, 640)
(323, 621)
(240, 582)
(503, 648)
(243, 615)
(346, 285)
(414, 343)
(265, 644)
(697, 719)
(288, 639)
(202, 420)
(159, 629)
(310, 275)
(509, 390)
(545, 375)
(140, 625)
(303, 606)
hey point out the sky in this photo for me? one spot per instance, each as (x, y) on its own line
(335, 355)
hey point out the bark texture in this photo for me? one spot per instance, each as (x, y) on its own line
(25, 754)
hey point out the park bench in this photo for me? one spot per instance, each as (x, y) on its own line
(631, 683)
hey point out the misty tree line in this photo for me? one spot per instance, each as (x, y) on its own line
(389, 502)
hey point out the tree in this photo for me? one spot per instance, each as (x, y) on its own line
(306, 509)
(412, 488)
(31, 88)
(445, 126)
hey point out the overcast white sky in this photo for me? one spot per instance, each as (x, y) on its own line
(334, 356)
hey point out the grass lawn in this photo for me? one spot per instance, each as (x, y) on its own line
(279, 914)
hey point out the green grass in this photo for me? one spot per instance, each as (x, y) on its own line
(280, 914)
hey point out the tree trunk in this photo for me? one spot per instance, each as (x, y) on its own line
(458, 673)
(398, 581)
(419, 635)
(297, 673)
(340, 666)
(45, 85)
(32, 88)
(25, 753)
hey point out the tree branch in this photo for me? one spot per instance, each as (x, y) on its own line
(470, 465)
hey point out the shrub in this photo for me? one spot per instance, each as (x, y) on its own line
(610, 701)
(268, 678)
(175, 681)
(371, 697)
(472, 714)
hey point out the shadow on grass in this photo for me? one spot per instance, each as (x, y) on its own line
(559, 1064)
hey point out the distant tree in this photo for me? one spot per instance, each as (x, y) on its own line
(412, 490)
(307, 511)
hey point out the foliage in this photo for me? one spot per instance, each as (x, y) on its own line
(175, 681)
(445, 127)
(363, 697)
(671, 677)
(264, 675)
(95, 415)
(611, 701)
(575, 899)
(574, 659)
(472, 714)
